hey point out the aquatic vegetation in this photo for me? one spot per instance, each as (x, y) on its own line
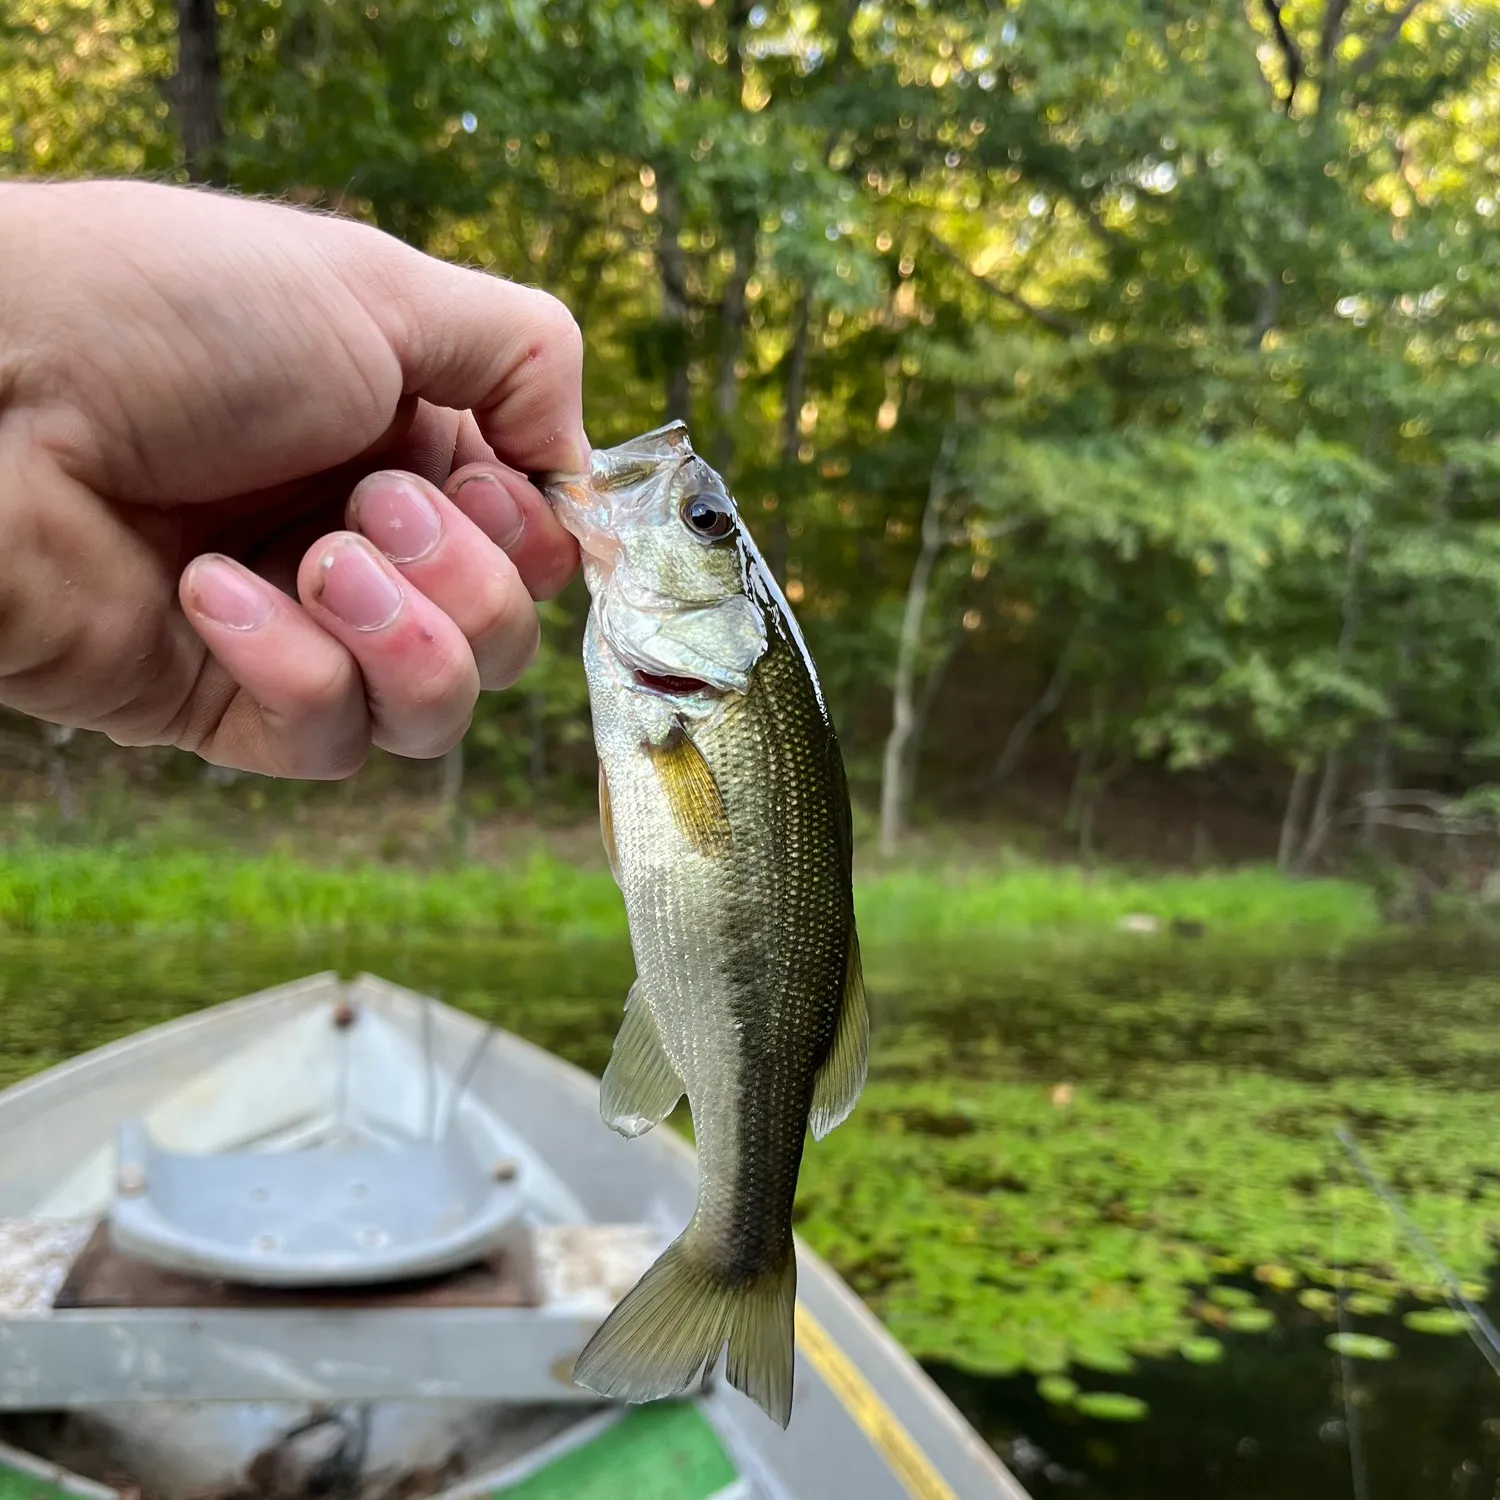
(1112, 1406)
(1086, 1162)
(1073, 1158)
(1436, 1320)
(1361, 1345)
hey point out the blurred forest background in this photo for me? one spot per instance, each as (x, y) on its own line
(1115, 384)
(1115, 387)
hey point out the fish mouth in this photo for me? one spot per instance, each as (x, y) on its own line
(670, 687)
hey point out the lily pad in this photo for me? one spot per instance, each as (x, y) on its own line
(1201, 1351)
(1361, 1345)
(1112, 1406)
(1251, 1319)
(1436, 1320)
(1057, 1389)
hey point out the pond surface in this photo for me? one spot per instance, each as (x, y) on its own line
(1092, 1185)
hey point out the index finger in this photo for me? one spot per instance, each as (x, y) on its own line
(511, 354)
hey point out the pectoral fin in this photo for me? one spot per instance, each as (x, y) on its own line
(842, 1075)
(640, 1084)
(607, 825)
(692, 793)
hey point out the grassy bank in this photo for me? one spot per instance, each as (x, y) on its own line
(121, 889)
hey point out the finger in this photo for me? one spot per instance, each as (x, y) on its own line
(511, 511)
(511, 354)
(420, 678)
(470, 448)
(441, 552)
(293, 704)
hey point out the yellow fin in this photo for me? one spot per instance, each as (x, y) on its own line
(842, 1076)
(692, 793)
(640, 1085)
(607, 825)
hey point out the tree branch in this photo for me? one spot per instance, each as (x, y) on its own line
(1369, 59)
(1328, 44)
(1056, 321)
(1290, 55)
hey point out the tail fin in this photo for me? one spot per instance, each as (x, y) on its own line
(676, 1319)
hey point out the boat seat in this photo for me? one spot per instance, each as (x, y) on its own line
(326, 1215)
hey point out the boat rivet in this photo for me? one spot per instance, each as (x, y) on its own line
(131, 1182)
(344, 1014)
(505, 1169)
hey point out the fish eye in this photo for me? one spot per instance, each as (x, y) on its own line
(708, 516)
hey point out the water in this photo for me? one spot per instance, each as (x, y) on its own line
(1080, 1159)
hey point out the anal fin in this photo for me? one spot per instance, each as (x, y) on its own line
(640, 1086)
(842, 1076)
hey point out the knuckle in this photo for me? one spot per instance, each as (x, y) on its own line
(556, 327)
(509, 641)
(322, 686)
(332, 759)
(432, 713)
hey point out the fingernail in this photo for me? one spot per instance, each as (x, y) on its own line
(356, 588)
(227, 594)
(489, 504)
(395, 515)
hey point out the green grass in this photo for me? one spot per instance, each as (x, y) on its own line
(933, 904)
(123, 889)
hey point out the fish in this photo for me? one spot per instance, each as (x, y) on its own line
(725, 816)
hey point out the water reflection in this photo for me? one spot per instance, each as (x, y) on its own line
(1096, 1188)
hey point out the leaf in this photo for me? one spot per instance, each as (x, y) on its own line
(1250, 1319)
(1112, 1406)
(1441, 1320)
(1201, 1350)
(1057, 1389)
(1361, 1346)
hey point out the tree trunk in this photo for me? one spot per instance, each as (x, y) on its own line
(794, 391)
(896, 777)
(1078, 794)
(672, 261)
(1380, 784)
(193, 91)
(58, 738)
(1052, 695)
(731, 338)
(1291, 819)
(536, 714)
(1085, 782)
(1323, 808)
(452, 784)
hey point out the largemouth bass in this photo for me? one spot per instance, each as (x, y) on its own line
(725, 814)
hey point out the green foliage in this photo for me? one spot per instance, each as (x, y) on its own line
(1209, 310)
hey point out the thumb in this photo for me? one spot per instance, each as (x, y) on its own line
(511, 354)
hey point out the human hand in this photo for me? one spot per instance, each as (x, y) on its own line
(261, 474)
